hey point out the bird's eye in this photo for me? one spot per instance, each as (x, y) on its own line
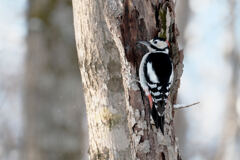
(155, 42)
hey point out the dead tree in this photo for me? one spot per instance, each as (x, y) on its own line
(118, 113)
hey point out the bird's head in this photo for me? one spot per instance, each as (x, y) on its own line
(156, 45)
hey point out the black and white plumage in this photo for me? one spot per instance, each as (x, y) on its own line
(156, 75)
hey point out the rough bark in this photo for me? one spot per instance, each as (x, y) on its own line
(118, 113)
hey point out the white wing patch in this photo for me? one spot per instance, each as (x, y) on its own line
(151, 73)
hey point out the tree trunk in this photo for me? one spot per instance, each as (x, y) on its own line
(118, 113)
(53, 99)
(229, 144)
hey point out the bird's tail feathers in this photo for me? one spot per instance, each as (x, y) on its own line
(158, 116)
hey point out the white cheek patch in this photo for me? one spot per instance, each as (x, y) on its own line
(151, 73)
(162, 44)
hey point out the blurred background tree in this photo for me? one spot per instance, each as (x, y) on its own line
(230, 141)
(54, 111)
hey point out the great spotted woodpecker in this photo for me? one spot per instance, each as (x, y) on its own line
(156, 75)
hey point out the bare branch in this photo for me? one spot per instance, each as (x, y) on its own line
(181, 106)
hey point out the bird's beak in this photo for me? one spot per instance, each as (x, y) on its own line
(145, 43)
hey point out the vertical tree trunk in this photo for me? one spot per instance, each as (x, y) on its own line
(118, 114)
(229, 144)
(53, 100)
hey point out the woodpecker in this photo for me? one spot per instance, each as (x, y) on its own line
(156, 76)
